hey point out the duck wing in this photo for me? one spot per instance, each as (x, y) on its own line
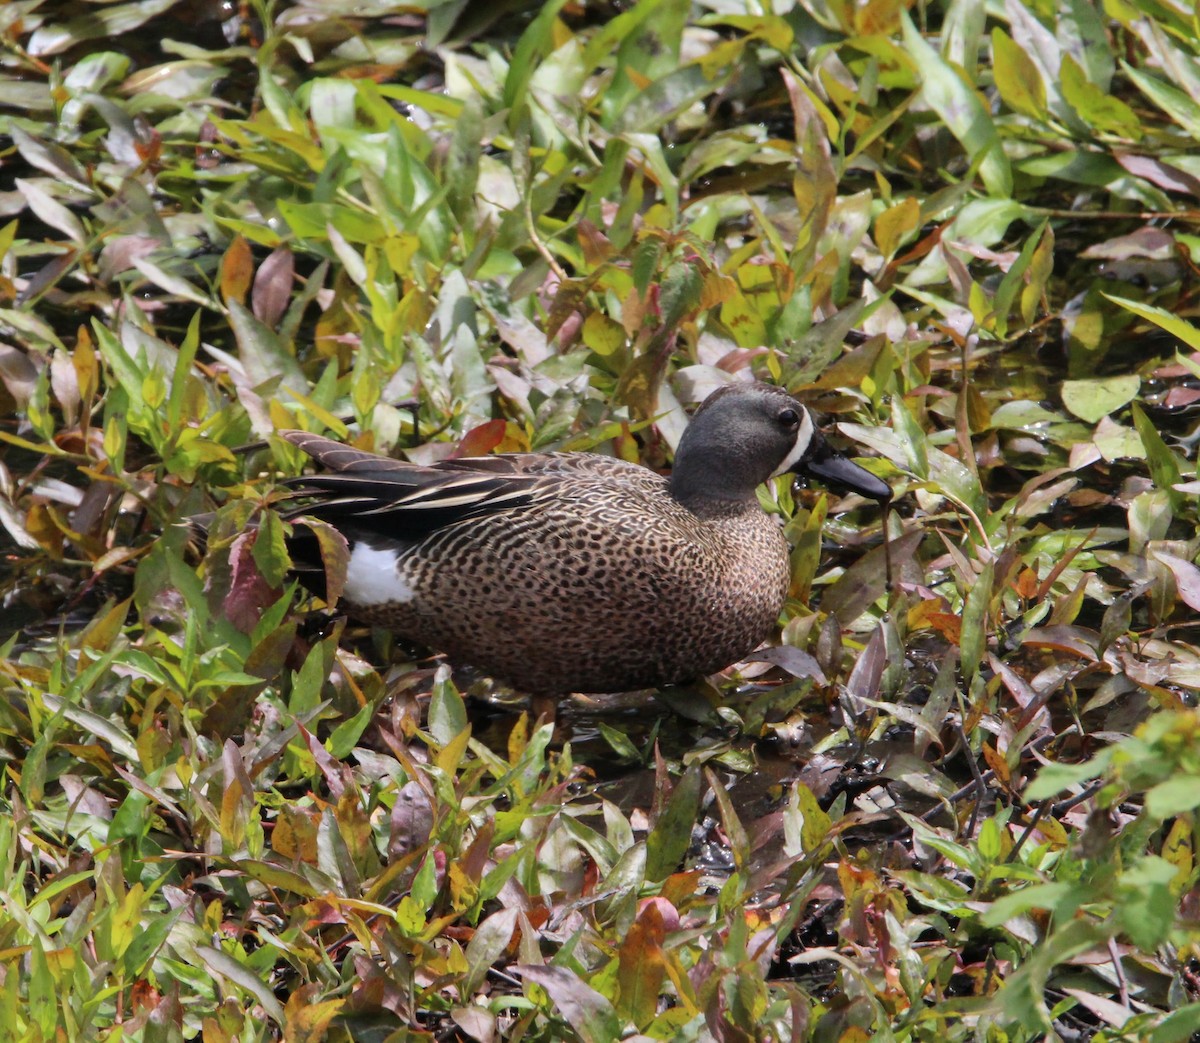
(366, 493)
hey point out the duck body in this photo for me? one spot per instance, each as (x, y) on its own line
(575, 572)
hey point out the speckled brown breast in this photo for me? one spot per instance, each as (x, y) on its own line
(607, 586)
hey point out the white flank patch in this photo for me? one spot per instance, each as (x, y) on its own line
(804, 435)
(373, 577)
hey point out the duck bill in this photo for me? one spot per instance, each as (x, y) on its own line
(841, 473)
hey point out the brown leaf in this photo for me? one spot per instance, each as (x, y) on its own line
(295, 834)
(596, 246)
(335, 556)
(1078, 640)
(998, 765)
(306, 1021)
(237, 269)
(641, 968)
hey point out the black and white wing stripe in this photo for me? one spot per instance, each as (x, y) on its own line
(398, 499)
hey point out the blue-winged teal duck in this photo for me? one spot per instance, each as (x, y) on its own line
(574, 572)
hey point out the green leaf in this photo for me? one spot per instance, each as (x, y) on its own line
(1173, 797)
(671, 836)
(226, 967)
(1091, 400)
(1053, 779)
(270, 549)
(975, 621)
(1179, 1025)
(1017, 77)
(447, 712)
(961, 109)
(1164, 467)
(1146, 909)
(1183, 109)
(1177, 327)
(1097, 108)
(535, 41)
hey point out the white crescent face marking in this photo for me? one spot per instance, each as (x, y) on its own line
(373, 577)
(804, 434)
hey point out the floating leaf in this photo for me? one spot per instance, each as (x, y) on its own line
(1094, 399)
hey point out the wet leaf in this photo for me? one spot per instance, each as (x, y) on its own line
(1093, 399)
(672, 832)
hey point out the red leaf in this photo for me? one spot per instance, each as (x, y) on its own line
(249, 592)
(481, 440)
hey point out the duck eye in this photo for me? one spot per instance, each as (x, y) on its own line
(789, 417)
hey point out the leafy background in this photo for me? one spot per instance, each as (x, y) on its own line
(962, 807)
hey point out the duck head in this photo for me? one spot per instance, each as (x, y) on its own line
(743, 434)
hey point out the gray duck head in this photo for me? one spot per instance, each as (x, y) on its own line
(743, 434)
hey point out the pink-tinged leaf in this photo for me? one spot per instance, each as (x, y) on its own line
(1187, 578)
(120, 252)
(65, 382)
(249, 592)
(486, 947)
(331, 768)
(863, 682)
(237, 796)
(50, 211)
(585, 1010)
(794, 660)
(659, 915)
(1154, 244)
(476, 1022)
(1172, 179)
(864, 582)
(18, 374)
(412, 821)
(1022, 692)
(1115, 1014)
(1179, 397)
(273, 287)
(474, 860)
